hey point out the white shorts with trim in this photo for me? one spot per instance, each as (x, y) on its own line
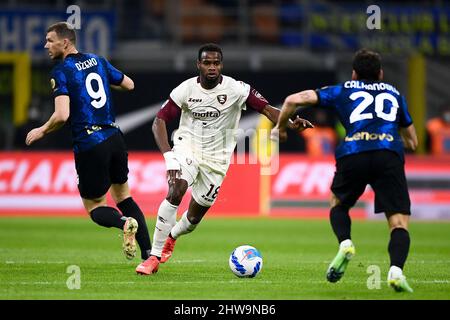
(205, 183)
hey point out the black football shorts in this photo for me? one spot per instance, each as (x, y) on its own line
(383, 170)
(101, 166)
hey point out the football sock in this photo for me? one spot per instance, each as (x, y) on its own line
(107, 217)
(167, 218)
(399, 247)
(130, 208)
(394, 272)
(345, 244)
(183, 226)
(341, 222)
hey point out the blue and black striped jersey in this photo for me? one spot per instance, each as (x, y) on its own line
(371, 113)
(86, 79)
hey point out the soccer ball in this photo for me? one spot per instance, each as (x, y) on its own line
(245, 261)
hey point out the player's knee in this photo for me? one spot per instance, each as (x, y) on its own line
(334, 201)
(340, 207)
(119, 196)
(398, 224)
(91, 204)
(398, 221)
(176, 194)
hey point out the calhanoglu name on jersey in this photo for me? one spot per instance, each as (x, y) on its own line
(370, 136)
(369, 86)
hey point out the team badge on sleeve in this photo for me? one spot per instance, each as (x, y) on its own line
(258, 95)
(222, 98)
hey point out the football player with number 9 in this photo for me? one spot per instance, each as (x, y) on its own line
(378, 128)
(81, 88)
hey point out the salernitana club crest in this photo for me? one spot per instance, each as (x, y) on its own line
(222, 98)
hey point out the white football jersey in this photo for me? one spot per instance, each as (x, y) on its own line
(209, 120)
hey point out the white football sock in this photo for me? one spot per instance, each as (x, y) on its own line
(395, 273)
(167, 218)
(183, 226)
(345, 244)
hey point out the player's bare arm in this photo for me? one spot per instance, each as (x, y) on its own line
(303, 98)
(409, 137)
(56, 121)
(160, 133)
(273, 113)
(127, 84)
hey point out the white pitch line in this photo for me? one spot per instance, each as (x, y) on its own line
(87, 263)
(435, 281)
(189, 261)
(35, 262)
(369, 262)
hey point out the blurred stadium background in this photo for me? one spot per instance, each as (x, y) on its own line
(278, 46)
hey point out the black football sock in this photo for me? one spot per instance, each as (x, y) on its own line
(399, 247)
(341, 222)
(107, 217)
(130, 208)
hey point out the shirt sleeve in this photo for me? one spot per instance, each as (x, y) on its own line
(115, 76)
(256, 101)
(405, 119)
(169, 111)
(327, 95)
(58, 83)
(179, 94)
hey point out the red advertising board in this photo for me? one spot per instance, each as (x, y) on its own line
(301, 188)
(44, 183)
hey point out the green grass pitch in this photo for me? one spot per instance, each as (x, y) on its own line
(35, 254)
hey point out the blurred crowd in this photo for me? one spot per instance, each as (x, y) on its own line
(438, 131)
(268, 22)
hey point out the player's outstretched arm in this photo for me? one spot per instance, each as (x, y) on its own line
(409, 137)
(298, 124)
(303, 98)
(56, 121)
(127, 84)
(271, 113)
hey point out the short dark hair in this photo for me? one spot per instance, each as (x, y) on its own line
(64, 30)
(209, 47)
(367, 64)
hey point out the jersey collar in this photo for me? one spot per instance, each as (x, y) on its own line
(220, 82)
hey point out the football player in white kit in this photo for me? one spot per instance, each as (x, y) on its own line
(209, 108)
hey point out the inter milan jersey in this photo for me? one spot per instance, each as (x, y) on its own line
(86, 78)
(371, 113)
